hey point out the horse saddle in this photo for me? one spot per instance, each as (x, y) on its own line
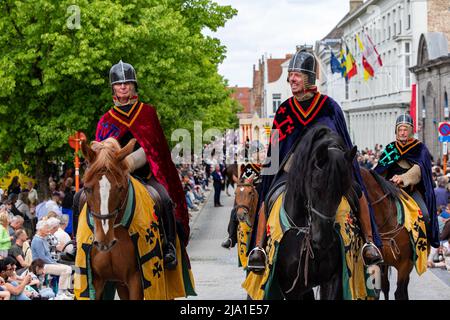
(154, 194)
(276, 189)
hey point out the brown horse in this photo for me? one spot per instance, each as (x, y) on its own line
(231, 176)
(397, 250)
(245, 203)
(106, 186)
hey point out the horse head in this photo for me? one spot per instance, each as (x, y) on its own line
(246, 200)
(323, 175)
(106, 187)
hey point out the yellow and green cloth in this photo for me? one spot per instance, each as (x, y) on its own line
(264, 286)
(143, 226)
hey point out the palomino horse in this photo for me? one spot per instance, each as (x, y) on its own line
(106, 187)
(397, 250)
(309, 253)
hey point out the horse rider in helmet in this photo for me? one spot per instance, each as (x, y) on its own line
(151, 160)
(407, 163)
(304, 109)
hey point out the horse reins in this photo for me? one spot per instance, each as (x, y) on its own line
(390, 235)
(306, 244)
(111, 215)
(243, 206)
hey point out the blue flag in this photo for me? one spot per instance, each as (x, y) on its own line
(335, 64)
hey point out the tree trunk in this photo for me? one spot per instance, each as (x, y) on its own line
(42, 174)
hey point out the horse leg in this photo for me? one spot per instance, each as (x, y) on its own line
(385, 286)
(99, 285)
(332, 290)
(403, 280)
(134, 284)
(123, 291)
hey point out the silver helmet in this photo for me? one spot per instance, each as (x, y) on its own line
(304, 62)
(122, 72)
(404, 119)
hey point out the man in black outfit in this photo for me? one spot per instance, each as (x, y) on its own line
(218, 182)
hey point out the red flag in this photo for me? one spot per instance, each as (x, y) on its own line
(413, 108)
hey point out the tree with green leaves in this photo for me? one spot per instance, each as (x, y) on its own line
(56, 55)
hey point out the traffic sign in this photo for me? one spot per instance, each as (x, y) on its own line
(444, 128)
(444, 138)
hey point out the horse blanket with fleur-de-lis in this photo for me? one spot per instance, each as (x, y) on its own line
(143, 227)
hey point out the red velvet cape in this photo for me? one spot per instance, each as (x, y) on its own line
(143, 123)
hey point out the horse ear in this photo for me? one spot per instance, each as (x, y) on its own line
(122, 153)
(350, 154)
(322, 155)
(88, 153)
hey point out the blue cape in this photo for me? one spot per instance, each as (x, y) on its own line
(415, 152)
(292, 121)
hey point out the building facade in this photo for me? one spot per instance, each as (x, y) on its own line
(395, 27)
(432, 72)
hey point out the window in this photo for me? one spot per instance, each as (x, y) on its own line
(446, 113)
(407, 64)
(346, 89)
(400, 26)
(276, 101)
(389, 25)
(395, 28)
(408, 14)
(384, 28)
(424, 112)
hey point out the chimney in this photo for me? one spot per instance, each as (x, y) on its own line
(355, 4)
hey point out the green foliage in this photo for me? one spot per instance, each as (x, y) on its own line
(54, 77)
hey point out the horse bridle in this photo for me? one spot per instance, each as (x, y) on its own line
(243, 206)
(110, 215)
(307, 242)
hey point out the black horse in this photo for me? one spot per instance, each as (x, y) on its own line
(309, 254)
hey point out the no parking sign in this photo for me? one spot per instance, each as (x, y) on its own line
(444, 131)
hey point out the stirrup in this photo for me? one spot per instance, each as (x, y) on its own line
(368, 244)
(256, 268)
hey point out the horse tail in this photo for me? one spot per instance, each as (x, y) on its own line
(388, 187)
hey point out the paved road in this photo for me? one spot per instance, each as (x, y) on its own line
(218, 277)
(215, 269)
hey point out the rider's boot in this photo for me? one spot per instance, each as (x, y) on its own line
(231, 241)
(169, 248)
(370, 253)
(257, 258)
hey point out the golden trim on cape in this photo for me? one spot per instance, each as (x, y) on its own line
(124, 122)
(127, 114)
(404, 148)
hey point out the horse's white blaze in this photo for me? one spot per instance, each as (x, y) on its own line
(105, 187)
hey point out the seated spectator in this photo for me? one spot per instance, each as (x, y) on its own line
(16, 250)
(40, 250)
(38, 279)
(4, 293)
(45, 207)
(53, 225)
(5, 238)
(62, 236)
(15, 224)
(16, 289)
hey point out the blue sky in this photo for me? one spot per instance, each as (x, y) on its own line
(274, 27)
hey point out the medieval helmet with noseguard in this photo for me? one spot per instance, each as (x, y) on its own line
(304, 62)
(122, 72)
(404, 119)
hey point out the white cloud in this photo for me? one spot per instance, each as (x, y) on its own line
(274, 27)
